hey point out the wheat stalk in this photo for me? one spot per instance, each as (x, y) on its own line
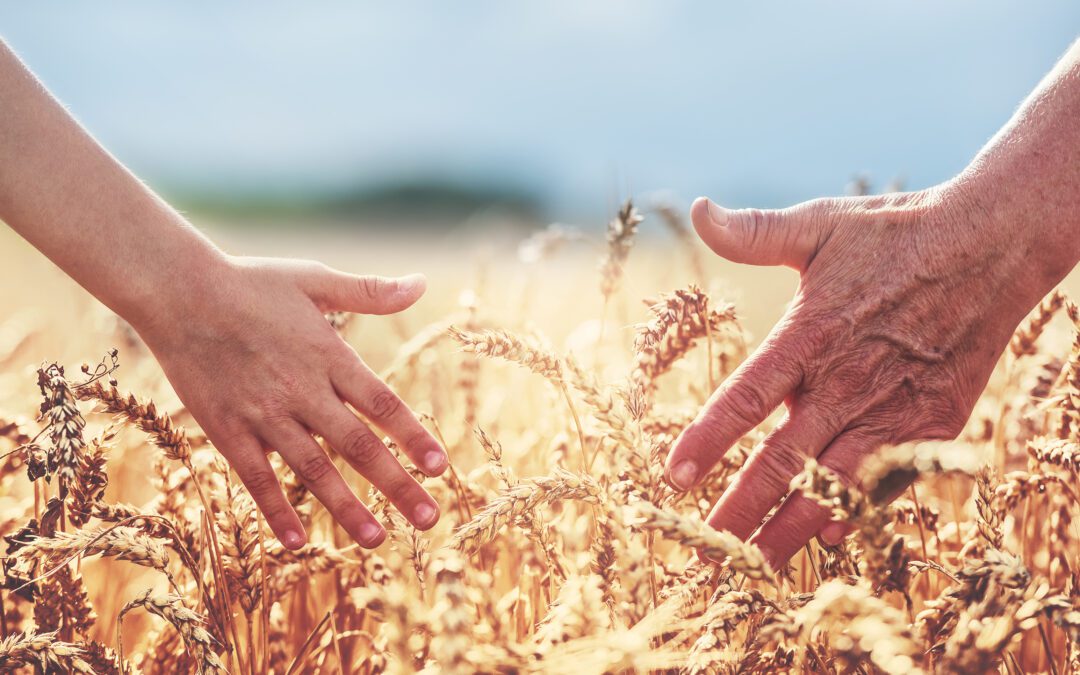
(65, 424)
(145, 416)
(680, 319)
(120, 542)
(566, 572)
(520, 499)
(1025, 337)
(723, 547)
(505, 345)
(42, 650)
(452, 640)
(621, 231)
(188, 623)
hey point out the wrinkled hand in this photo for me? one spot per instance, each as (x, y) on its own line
(905, 303)
(259, 367)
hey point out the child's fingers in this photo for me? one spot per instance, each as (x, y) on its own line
(367, 393)
(254, 469)
(367, 454)
(322, 478)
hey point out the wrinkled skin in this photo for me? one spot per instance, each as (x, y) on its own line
(904, 305)
(258, 365)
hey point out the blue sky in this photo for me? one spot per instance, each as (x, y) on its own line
(754, 103)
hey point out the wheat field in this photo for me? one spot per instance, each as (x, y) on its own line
(557, 371)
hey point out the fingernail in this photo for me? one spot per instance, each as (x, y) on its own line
(833, 533)
(718, 214)
(684, 474)
(435, 461)
(292, 540)
(704, 557)
(371, 534)
(424, 514)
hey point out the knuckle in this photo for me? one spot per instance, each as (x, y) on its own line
(402, 491)
(778, 462)
(347, 508)
(231, 434)
(313, 267)
(827, 414)
(369, 287)
(341, 359)
(261, 484)
(930, 416)
(821, 212)
(811, 331)
(314, 468)
(287, 390)
(847, 472)
(792, 526)
(832, 418)
(806, 519)
(420, 439)
(784, 532)
(384, 404)
(272, 410)
(756, 225)
(291, 386)
(745, 405)
(344, 507)
(361, 446)
(710, 437)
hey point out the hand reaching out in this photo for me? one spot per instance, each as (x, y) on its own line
(243, 340)
(904, 304)
(259, 367)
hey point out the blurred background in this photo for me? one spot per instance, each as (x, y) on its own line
(393, 137)
(550, 111)
(334, 129)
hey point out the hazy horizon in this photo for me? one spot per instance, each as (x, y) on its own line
(576, 103)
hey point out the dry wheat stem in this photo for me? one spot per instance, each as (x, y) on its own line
(186, 621)
(42, 650)
(715, 545)
(506, 345)
(121, 542)
(564, 572)
(523, 498)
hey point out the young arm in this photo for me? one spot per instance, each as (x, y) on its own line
(243, 340)
(905, 303)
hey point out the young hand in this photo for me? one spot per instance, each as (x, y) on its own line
(243, 340)
(248, 350)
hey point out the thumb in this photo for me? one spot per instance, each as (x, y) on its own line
(759, 237)
(365, 294)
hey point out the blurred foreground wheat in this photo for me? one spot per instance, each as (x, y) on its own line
(561, 549)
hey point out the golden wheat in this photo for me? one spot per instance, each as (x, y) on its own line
(543, 563)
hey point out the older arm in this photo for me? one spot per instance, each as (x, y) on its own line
(905, 303)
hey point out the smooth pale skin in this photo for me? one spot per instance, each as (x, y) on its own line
(242, 340)
(904, 305)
